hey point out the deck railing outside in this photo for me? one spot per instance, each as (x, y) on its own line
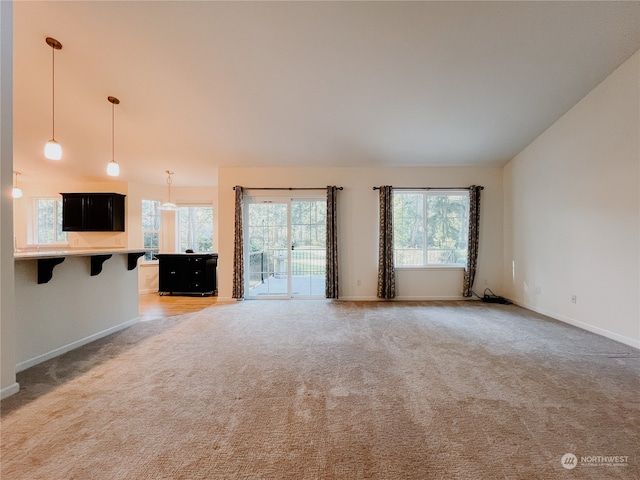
(305, 261)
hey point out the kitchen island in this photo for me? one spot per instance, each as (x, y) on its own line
(68, 298)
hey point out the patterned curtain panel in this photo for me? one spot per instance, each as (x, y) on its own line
(331, 280)
(386, 270)
(238, 250)
(474, 235)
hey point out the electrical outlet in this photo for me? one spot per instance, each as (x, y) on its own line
(538, 290)
(574, 299)
(358, 283)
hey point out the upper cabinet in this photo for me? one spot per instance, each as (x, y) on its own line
(93, 212)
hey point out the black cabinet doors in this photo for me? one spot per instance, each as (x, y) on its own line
(187, 272)
(172, 275)
(92, 212)
(73, 207)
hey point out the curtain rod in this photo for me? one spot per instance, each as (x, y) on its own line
(430, 188)
(287, 188)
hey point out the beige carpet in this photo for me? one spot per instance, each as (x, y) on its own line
(331, 390)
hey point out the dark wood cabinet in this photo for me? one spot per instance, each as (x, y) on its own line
(93, 212)
(187, 273)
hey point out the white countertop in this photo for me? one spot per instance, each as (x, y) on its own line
(69, 252)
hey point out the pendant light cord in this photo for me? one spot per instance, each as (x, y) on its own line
(53, 93)
(113, 133)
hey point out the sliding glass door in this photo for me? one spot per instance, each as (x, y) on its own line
(285, 250)
(267, 248)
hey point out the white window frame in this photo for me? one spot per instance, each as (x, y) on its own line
(177, 225)
(57, 205)
(427, 193)
(158, 232)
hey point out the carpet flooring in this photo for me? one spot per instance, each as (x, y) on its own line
(331, 390)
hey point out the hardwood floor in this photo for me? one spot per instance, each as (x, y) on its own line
(153, 306)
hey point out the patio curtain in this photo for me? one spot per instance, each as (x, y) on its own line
(238, 249)
(331, 280)
(474, 234)
(386, 270)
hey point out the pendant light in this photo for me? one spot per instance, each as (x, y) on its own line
(53, 150)
(113, 169)
(17, 192)
(169, 205)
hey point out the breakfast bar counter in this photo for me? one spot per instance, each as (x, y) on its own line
(67, 298)
(47, 259)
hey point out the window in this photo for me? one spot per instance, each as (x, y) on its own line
(48, 221)
(430, 228)
(151, 228)
(195, 228)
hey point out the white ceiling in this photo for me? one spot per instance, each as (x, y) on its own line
(212, 84)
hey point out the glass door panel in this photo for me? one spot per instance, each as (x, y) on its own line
(267, 249)
(285, 249)
(308, 247)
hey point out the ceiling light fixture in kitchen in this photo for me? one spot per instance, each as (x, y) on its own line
(113, 169)
(53, 150)
(17, 192)
(169, 205)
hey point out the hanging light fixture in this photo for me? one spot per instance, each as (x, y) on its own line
(17, 192)
(113, 169)
(53, 150)
(169, 205)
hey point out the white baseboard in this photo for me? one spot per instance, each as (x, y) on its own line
(403, 299)
(355, 298)
(72, 346)
(10, 390)
(456, 298)
(631, 342)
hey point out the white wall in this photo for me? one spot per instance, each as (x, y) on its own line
(73, 308)
(572, 213)
(8, 383)
(358, 224)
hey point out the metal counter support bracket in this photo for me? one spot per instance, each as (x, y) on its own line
(133, 260)
(45, 268)
(96, 263)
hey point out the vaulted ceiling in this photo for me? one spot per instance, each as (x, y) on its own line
(205, 84)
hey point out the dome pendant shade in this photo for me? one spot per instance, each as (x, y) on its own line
(53, 150)
(168, 206)
(113, 169)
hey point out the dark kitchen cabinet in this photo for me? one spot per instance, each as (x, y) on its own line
(187, 273)
(93, 212)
